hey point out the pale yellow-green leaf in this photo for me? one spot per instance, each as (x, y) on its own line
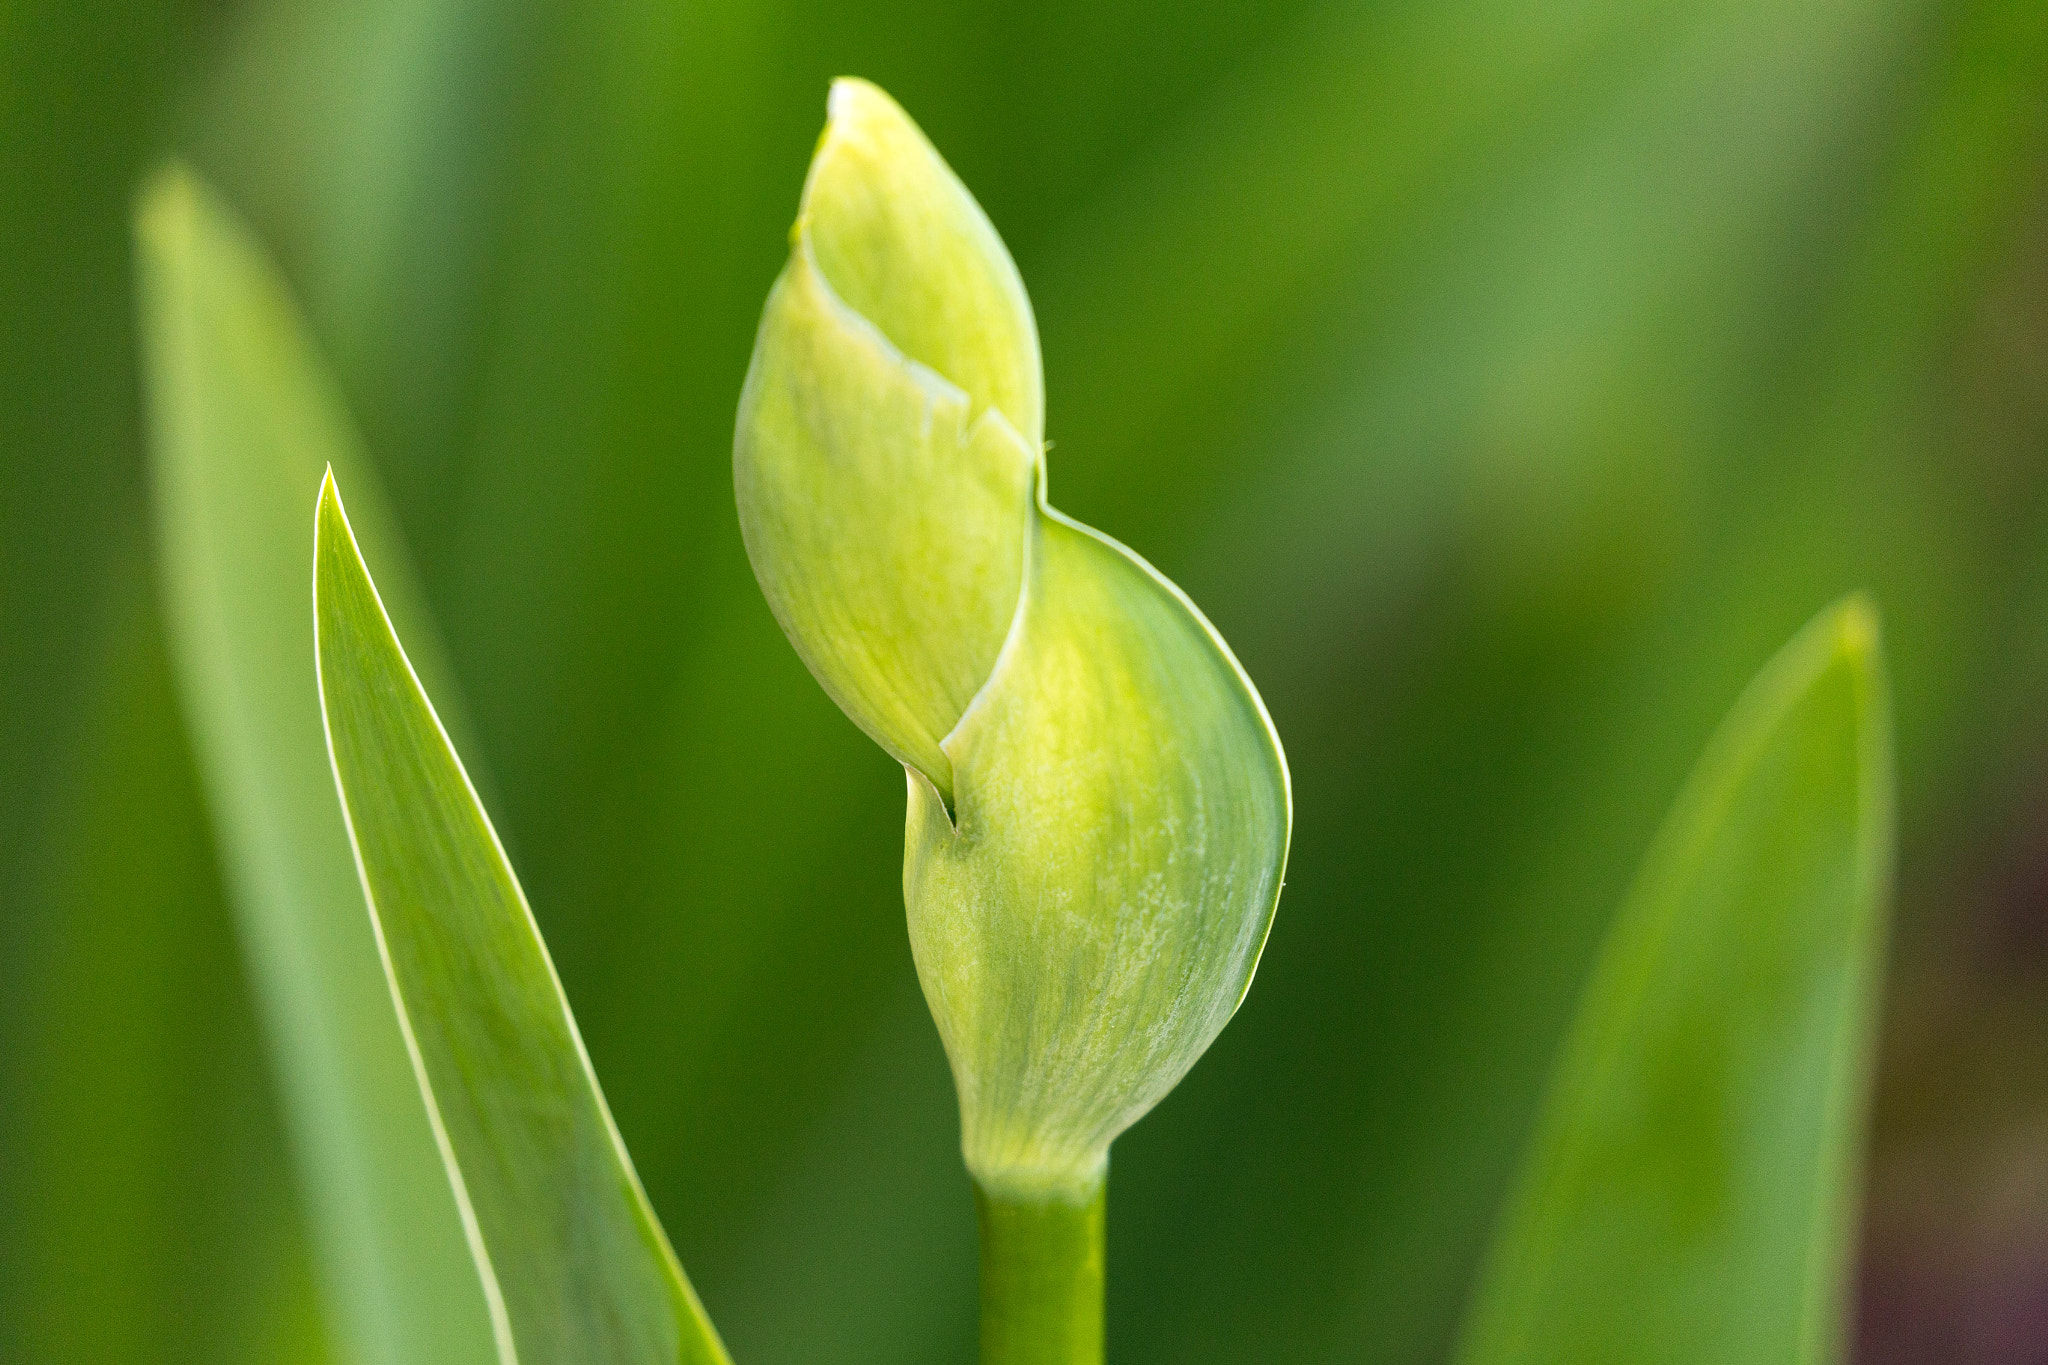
(575, 1265)
(1691, 1190)
(887, 443)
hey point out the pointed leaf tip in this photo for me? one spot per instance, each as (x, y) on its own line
(1690, 1191)
(574, 1263)
(1862, 630)
(164, 205)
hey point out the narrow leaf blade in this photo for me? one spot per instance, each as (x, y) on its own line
(1690, 1192)
(575, 1264)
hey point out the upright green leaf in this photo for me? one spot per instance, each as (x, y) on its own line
(243, 419)
(575, 1265)
(1690, 1193)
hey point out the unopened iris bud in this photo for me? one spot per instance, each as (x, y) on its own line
(1098, 806)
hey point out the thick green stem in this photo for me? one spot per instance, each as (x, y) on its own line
(1041, 1277)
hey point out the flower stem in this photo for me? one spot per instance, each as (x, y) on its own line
(1041, 1276)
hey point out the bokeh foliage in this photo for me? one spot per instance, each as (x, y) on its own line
(1691, 1189)
(242, 417)
(1506, 382)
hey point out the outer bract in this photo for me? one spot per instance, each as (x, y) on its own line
(1093, 918)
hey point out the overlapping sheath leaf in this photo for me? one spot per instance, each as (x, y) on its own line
(1098, 810)
(575, 1265)
(243, 420)
(1093, 919)
(1690, 1191)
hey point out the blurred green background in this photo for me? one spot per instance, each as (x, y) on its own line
(1506, 381)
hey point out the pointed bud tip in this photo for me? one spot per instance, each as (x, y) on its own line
(852, 100)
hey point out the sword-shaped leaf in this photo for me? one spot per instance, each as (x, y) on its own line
(575, 1265)
(1690, 1192)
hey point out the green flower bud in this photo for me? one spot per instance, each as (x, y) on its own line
(1098, 806)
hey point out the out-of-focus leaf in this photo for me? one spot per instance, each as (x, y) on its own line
(368, 142)
(141, 1101)
(1691, 1187)
(243, 422)
(575, 1265)
(144, 1194)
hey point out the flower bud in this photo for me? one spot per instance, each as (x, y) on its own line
(1098, 806)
